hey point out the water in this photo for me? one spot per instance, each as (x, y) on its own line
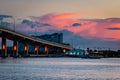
(59, 69)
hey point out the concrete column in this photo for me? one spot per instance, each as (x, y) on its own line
(46, 49)
(4, 48)
(36, 47)
(58, 51)
(26, 47)
(15, 48)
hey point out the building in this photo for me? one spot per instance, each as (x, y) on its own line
(55, 37)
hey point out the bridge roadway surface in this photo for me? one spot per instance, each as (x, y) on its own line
(15, 35)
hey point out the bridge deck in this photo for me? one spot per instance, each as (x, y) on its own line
(14, 35)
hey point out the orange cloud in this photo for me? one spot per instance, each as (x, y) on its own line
(66, 15)
(116, 25)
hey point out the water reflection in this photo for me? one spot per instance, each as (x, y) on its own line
(9, 61)
(3, 60)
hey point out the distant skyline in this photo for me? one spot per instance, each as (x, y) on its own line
(85, 23)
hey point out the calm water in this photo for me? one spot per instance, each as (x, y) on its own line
(59, 69)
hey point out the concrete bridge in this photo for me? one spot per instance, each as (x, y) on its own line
(6, 33)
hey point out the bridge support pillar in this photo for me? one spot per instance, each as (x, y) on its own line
(46, 49)
(26, 49)
(36, 47)
(15, 48)
(58, 51)
(4, 48)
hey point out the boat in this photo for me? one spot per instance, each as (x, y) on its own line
(79, 53)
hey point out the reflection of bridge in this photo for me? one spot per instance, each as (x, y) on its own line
(16, 37)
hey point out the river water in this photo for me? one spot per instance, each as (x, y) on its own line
(59, 69)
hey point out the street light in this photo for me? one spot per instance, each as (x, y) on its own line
(1, 20)
(14, 22)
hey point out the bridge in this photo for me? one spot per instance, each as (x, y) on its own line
(15, 36)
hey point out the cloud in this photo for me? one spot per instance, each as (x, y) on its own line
(66, 15)
(114, 20)
(6, 24)
(5, 16)
(114, 28)
(76, 24)
(87, 28)
(45, 24)
(29, 23)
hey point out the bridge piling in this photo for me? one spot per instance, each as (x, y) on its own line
(46, 49)
(36, 49)
(15, 48)
(4, 48)
(26, 47)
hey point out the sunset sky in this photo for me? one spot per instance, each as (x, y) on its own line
(84, 23)
(85, 8)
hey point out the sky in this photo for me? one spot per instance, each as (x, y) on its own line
(85, 8)
(91, 23)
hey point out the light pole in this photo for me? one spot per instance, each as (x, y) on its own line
(14, 22)
(72, 42)
(1, 20)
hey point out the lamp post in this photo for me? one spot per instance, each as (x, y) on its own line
(1, 20)
(14, 22)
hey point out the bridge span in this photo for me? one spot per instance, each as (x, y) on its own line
(15, 36)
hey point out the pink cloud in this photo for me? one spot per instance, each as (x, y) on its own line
(88, 28)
